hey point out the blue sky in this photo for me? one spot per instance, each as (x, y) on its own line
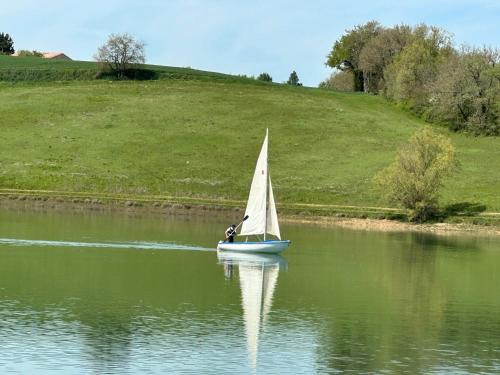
(240, 37)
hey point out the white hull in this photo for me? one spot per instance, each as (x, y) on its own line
(267, 247)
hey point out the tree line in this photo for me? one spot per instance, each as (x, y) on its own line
(420, 68)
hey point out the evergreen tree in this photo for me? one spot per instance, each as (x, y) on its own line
(293, 79)
(6, 44)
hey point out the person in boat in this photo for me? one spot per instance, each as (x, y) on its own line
(230, 233)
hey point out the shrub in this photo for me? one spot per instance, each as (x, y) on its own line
(265, 77)
(415, 177)
(341, 81)
(25, 52)
(132, 73)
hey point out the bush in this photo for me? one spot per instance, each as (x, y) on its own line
(25, 52)
(133, 74)
(415, 177)
(20, 75)
(341, 81)
(265, 77)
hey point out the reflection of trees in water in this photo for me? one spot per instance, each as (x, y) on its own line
(107, 339)
(415, 288)
(411, 316)
(476, 342)
(101, 339)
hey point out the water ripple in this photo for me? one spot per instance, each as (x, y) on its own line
(119, 245)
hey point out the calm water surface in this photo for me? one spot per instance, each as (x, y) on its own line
(95, 294)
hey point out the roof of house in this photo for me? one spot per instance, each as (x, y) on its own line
(46, 55)
(51, 55)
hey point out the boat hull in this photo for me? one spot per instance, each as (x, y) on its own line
(266, 247)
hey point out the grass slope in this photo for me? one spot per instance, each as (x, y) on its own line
(19, 69)
(201, 138)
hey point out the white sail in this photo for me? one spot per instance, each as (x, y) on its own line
(257, 199)
(273, 226)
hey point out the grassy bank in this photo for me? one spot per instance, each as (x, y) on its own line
(199, 139)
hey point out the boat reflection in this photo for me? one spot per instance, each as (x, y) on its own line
(258, 274)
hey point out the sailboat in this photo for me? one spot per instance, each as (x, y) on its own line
(261, 218)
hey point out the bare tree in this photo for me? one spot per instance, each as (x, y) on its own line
(120, 52)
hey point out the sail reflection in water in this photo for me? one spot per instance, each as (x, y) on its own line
(258, 275)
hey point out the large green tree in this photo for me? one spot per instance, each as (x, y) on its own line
(346, 51)
(6, 44)
(409, 77)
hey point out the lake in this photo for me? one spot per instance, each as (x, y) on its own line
(91, 293)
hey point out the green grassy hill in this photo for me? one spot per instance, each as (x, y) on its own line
(19, 69)
(199, 136)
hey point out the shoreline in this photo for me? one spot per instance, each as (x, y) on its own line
(393, 226)
(60, 201)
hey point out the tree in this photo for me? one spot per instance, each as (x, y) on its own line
(120, 52)
(409, 76)
(467, 91)
(265, 77)
(293, 79)
(346, 51)
(379, 52)
(6, 44)
(414, 179)
(341, 81)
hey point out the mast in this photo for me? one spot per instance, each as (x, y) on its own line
(267, 183)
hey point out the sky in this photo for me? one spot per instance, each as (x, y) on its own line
(235, 36)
